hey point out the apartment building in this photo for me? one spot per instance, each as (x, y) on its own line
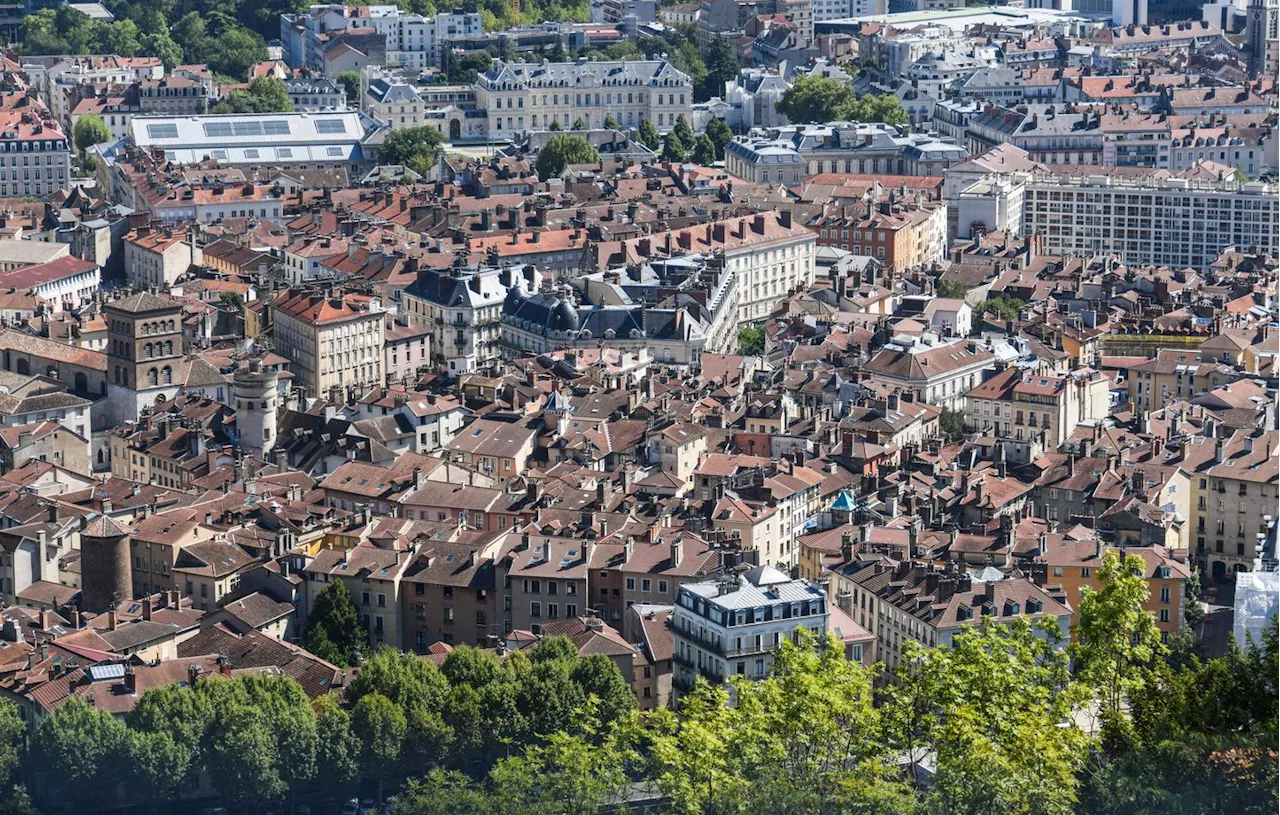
(733, 626)
(416, 41)
(172, 96)
(157, 257)
(769, 255)
(67, 282)
(1032, 413)
(939, 372)
(35, 154)
(542, 579)
(332, 342)
(448, 595)
(463, 313)
(395, 103)
(898, 601)
(520, 97)
(1074, 565)
(785, 154)
(1150, 219)
(900, 234)
(1174, 376)
(1234, 479)
(373, 572)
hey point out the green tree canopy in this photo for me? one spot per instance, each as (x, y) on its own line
(333, 627)
(951, 287)
(648, 135)
(951, 423)
(418, 148)
(89, 130)
(704, 150)
(815, 98)
(751, 340)
(562, 150)
(722, 66)
(265, 95)
(350, 82)
(720, 134)
(611, 123)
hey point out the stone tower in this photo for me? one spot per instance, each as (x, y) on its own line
(257, 397)
(105, 577)
(145, 354)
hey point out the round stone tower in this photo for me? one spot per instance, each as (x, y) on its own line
(256, 401)
(105, 578)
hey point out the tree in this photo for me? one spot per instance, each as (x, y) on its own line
(90, 130)
(562, 150)
(704, 151)
(815, 98)
(805, 739)
(13, 732)
(1192, 611)
(722, 66)
(337, 748)
(235, 51)
(751, 340)
(82, 747)
(443, 792)
(579, 124)
(720, 134)
(1118, 640)
(570, 775)
(1006, 308)
(996, 717)
(951, 422)
(266, 95)
(418, 148)
(952, 288)
(333, 628)
(648, 135)
(380, 726)
(242, 759)
(350, 82)
(555, 126)
(611, 123)
(160, 45)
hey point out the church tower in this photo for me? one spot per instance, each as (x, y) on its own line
(145, 353)
(1262, 37)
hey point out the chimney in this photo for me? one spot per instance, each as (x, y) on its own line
(130, 680)
(146, 607)
(677, 553)
(193, 674)
(111, 620)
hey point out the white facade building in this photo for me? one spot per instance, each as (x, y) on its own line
(733, 626)
(530, 96)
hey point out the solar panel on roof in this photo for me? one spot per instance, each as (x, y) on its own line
(162, 131)
(103, 673)
(275, 127)
(329, 126)
(218, 129)
(247, 128)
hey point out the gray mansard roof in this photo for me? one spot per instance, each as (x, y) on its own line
(641, 73)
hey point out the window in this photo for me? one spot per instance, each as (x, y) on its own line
(662, 587)
(535, 610)
(364, 598)
(1164, 594)
(382, 600)
(553, 610)
(631, 584)
(646, 585)
(1164, 615)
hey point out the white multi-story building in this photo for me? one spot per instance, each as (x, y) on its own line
(463, 312)
(777, 154)
(332, 341)
(733, 626)
(939, 372)
(419, 42)
(395, 103)
(530, 96)
(1150, 219)
(413, 40)
(842, 9)
(768, 255)
(35, 156)
(755, 96)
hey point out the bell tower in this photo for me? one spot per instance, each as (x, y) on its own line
(145, 353)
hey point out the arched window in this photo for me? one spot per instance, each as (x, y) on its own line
(146, 328)
(153, 377)
(168, 348)
(147, 350)
(167, 378)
